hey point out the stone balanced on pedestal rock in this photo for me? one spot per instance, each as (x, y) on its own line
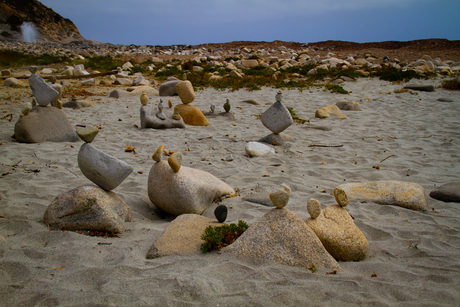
(190, 114)
(179, 189)
(277, 118)
(42, 91)
(160, 118)
(281, 196)
(102, 169)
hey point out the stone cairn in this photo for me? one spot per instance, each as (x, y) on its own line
(277, 118)
(226, 114)
(88, 207)
(191, 114)
(161, 117)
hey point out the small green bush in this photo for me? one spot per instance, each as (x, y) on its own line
(220, 236)
(335, 88)
(453, 84)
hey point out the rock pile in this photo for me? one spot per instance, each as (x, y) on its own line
(191, 114)
(159, 118)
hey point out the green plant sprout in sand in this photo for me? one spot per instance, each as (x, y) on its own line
(220, 236)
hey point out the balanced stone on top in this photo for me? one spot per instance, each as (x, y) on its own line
(227, 106)
(281, 196)
(277, 117)
(144, 99)
(157, 155)
(41, 90)
(160, 113)
(185, 91)
(87, 134)
(33, 69)
(175, 161)
(314, 208)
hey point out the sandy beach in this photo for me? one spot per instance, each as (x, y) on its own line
(414, 257)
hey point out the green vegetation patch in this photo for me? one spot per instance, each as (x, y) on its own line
(10, 58)
(220, 236)
(453, 84)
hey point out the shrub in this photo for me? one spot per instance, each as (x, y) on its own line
(453, 84)
(220, 236)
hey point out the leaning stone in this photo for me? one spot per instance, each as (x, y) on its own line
(419, 87)
(192, 115)
(387, 192)
(256, 149)
(314, 208)
(44, 124)
(347, 105)
(87, 134)
(58, 89)
(449, 192)
(182, 236)
(282, 236)
(325, 112)
(187, 191)
(102, 169)
(157, 155)
(88, 208)
(339, 234)
(277, 117)
(185, 91)
(175, 161)
(41, 90)
(340, 196)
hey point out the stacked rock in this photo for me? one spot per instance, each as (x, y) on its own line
(88, 207)
(40, 122)
(336, 229)
(225, 114)
(280, 197)
(178, 189)
(277, 118)
(191, 115)
(160, 117)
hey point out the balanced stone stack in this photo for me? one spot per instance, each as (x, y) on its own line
(88, 207)
(41, 123)
(277, 118)
(161, 117)
(191, 114)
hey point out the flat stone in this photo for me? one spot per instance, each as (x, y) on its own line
(277, 117)
(347, 105)
(102, 169)
(119, 93)
(44, 124)
(182, 236)
(339, 234)
(187, 191)
(318, 127)
(420, 87)
(249, 63)
(122, 81)
(222, 115)
(282, 236)
(41, 90)
(277, 139)
(448, 192)
(88, 208)
(192, 115)
(252, 101)
(326, 112)
(78, 104)
(387, 192)
(256, 149)
(150, 91)
(185, 91)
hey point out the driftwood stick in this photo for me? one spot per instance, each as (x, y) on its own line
(387, 158)
(313, 145)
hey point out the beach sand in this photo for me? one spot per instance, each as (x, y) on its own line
(414, 257)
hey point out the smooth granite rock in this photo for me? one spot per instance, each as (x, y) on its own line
(187, 191)
(348, 105)
(168, 88)
(88, 208)
(102, 169)
(41, 90)
(420, 87)
(326, 112)
(78, 104)
(192, 115)
(182, 236)
(44, 124)
(387, 192)
(282, 236)
(185, 91)
(280, 197)
(13, 82)
(339, 234)
(277, 139)
(449, 192)
(277, 117)
(256, 149)
(314, 208)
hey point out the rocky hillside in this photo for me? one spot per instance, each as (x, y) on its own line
(48, 25)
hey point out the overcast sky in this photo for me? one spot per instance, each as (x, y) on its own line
(169, 22)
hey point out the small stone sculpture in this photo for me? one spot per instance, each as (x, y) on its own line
(144, 99)
(227, 106)
(160, 113)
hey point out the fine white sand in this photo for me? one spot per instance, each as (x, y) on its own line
(414, 257)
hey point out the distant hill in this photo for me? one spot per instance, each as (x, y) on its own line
(49, 25)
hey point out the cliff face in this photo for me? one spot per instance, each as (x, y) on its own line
(48, 25)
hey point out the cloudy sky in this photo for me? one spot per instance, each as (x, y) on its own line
(169, 22)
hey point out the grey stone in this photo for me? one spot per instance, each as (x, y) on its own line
(44, 124)
(150, 120)
(102, 169)
(13, 82)
(339, 234)
(449, 192)
(90, 81)
(277, 139)
(58, 89)
(387, 192)
(252, 101)
(122, 81)
(119, 93)
(141, 81)
(256, 149)
(319, 127)
(442, 99)
(347, 105)
(277, 117)
(88, 208)
(420, 87)
(182, 236)
(168, 88)
(187, 191)
(282, 236)
(41, 90)
(78, 104)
